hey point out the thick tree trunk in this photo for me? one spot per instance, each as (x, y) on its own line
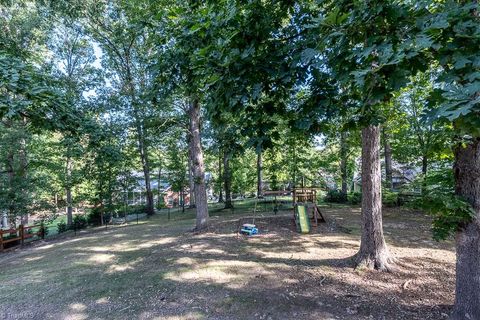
(343, 164)
(467, 185)
(373, 253)
(227, 180)
(220, 179)
(196, 154)
(388, 161)
(68, 189)
(259, 174)
(191, 184)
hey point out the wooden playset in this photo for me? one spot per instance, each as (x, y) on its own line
(306, 211)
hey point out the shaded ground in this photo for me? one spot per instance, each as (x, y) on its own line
(159, 270)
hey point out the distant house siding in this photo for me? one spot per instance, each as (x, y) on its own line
(172, 199)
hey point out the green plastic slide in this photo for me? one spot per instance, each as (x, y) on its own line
(303, 222)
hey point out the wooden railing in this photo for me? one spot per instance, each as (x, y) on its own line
(19, 236)
(304, 195)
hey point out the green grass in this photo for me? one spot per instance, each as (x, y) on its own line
(159, 270)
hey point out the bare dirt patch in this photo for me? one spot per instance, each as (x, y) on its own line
(161, 270)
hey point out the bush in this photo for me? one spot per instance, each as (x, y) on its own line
(137, 209)
(79, 222)
(389, 199)
(355, 198)
(94, 217)
(161, 204)
(61, 227)
(335, 196)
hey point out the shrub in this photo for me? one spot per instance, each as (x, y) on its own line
(355, 197)
(95, 217)
(138, 209)
(160, 204)
(389, 199)
(335, 196)
(61, 227)
(79, 222)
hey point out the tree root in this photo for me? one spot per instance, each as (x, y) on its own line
(382, 262)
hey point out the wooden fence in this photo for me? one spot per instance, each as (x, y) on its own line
(13, 238)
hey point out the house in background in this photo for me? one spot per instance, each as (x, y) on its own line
(162, 190)
(401, 175)
(174, 199)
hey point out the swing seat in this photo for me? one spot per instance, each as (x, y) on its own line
(249, 229)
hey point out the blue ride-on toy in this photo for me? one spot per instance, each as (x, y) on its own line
(249, 229)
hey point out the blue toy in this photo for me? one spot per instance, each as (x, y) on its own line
(249, 229)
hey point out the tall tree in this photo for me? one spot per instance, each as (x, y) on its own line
(365, 45)
(74, 56)
(415, 139)
(124, 47)
(29, 99)
(452, 30)
(196, 154)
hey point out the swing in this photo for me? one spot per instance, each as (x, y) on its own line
(250, 229)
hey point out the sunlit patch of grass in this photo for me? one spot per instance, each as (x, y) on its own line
(187, 316)
(185, 261)
(29, 259)
(114, 268)
(230, 273)
(101, 258)
(102, 300)
(79, 307)
(46, 247)
(75, 316)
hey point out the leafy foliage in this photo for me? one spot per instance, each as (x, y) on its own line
(450, 212)
(355, 198)
(452, 31)
(62, 227)
(389, 199)
(335, 196)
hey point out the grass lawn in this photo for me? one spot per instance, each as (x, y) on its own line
(158, 269)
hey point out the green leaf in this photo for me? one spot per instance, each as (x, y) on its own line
(307, 55)
(460, 61)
